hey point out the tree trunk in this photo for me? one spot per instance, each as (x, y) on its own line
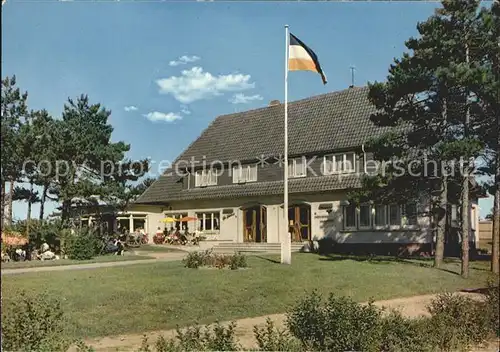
(441, 224)
(465, 212)
(495, 253)
(42, 201)
(2, 202)
(28, 215)
(65, 210)
(11, 196)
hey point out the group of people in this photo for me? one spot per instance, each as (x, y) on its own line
(175, 236)
(26, 253)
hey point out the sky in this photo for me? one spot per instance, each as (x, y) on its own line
(167, 69)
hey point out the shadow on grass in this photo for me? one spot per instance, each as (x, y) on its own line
(377, 259)
(275, 261)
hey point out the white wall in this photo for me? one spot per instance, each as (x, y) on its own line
(323, 223)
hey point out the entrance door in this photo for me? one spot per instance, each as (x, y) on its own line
(254, 224)
(299, 217)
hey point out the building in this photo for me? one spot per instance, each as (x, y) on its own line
(231, 178)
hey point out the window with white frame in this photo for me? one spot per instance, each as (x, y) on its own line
(410, 214)
(380, 216)
(245, 173)
(204, 178)
(339, 163)
(365, 216)
(349, 217)
(209, 221)
(394, 215)
(297, 167)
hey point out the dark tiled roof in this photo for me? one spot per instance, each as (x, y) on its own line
(167, 189)
(319, 124)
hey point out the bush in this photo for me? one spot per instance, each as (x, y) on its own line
(493, 304)
(237, 261)
(193, 260)
(339, 324)
(270, 338)
(214, 337)
(457, 322)
(210, 259)
(84, 245)
(33, 323)
(400, 334)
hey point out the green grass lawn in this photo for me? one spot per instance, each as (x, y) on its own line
(155, 248)
(139, 298)
(100, 259)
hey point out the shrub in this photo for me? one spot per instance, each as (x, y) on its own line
(214, 337)
(493, 304)
(83, 246)
(237, 261)
(339, 324)
(33, 323)
(193, 260)
(400, 334)
(209, 258)
(457, 322)
(269, 338)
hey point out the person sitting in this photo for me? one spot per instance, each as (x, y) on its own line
(20, 255)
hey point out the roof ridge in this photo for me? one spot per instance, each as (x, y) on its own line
(314, 97)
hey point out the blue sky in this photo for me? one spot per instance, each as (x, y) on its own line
(175, 66)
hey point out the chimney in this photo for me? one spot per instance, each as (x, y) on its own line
(274, 102)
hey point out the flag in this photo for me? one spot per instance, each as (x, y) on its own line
(302, 58)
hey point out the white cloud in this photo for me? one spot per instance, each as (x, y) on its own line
(157, 116)
(130, 108)
(240, 98)
(184, 60)
(194, 84)
(185, 110)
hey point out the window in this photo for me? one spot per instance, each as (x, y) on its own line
(297, 167)
(208, 221)
(411, 214)
(380, 216)
(245, 173)
(365, 216)
(394, 215)
(203, 178)
(349, 217)
(339, 163)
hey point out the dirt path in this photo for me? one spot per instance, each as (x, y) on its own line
(411, 307)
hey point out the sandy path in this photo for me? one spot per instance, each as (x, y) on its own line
(411, 307)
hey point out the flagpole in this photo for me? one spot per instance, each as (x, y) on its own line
(286, 255)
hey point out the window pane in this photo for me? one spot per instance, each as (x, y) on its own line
(394, 215)
(300, 167)
(380, 215)
(328, 165)
(339, 161)
(349, 162)
(200, 222)
(365, 216)
(290, 168)
(411, 214)
(208, 221)
(236, 171)
(216, 217)
(350, 216)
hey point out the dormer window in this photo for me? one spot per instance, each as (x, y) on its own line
(297, 167)
(204, 178)
(339, 163)
(244, 173)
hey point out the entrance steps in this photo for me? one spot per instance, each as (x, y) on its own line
(231, 247)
